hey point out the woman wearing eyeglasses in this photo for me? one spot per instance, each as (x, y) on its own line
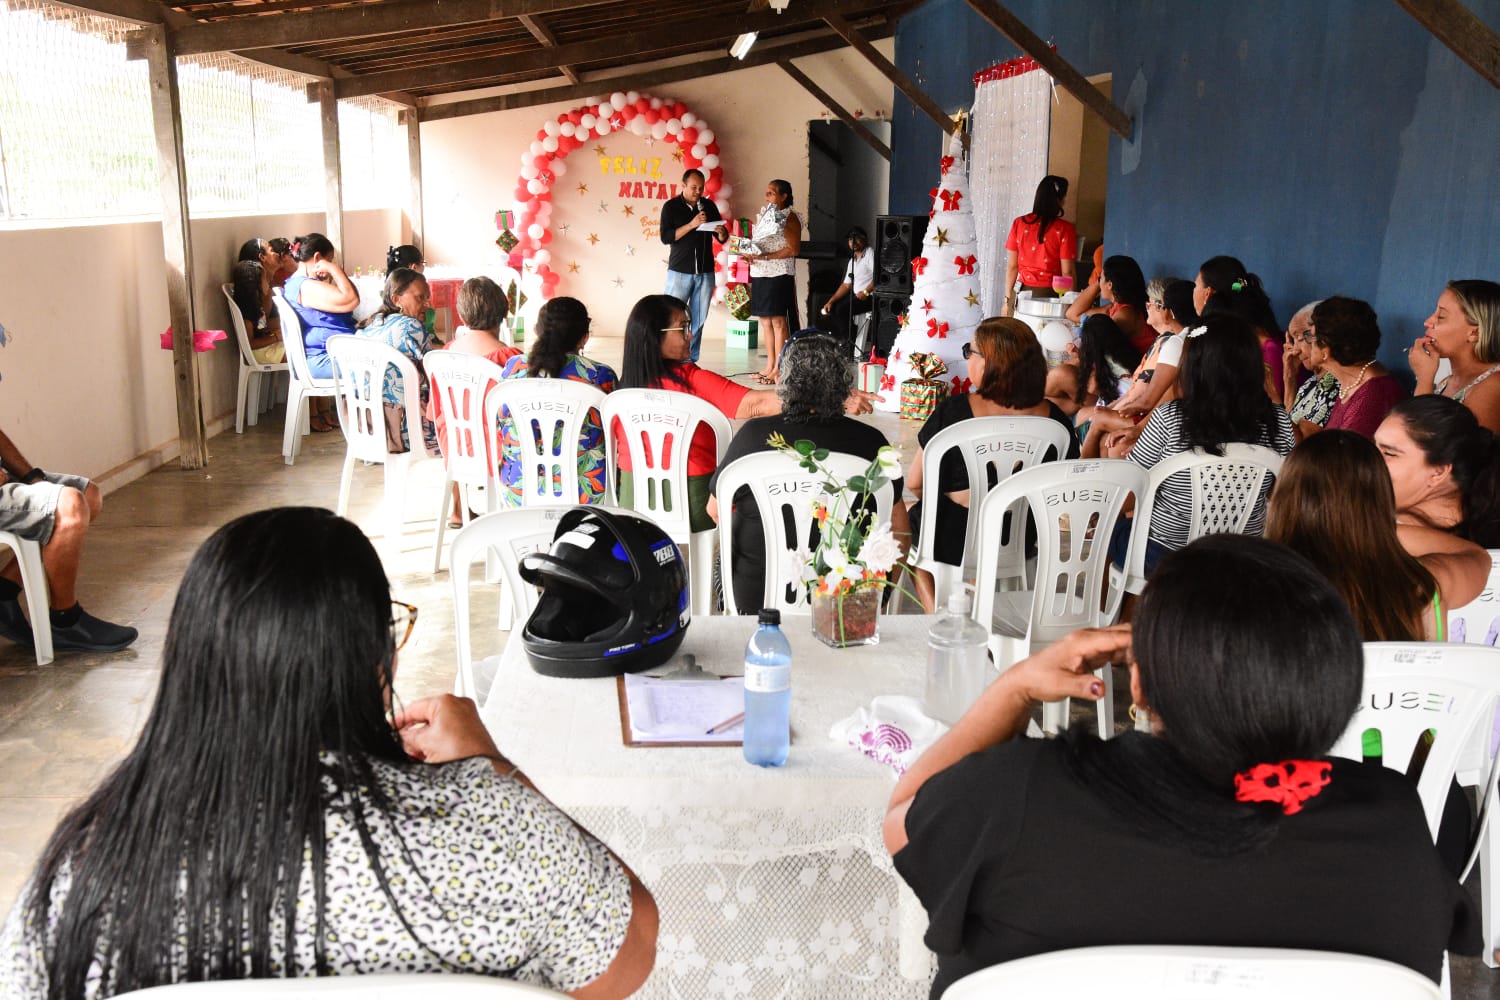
(274, 820)
(1314, 399)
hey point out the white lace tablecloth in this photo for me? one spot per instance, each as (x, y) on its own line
(771, 882)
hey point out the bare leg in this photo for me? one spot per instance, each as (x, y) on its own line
(61, 555)
(777, 340)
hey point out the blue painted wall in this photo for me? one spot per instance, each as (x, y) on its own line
(1336, 147)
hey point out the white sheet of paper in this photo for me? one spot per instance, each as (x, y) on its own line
(709, 227)
(683, 711)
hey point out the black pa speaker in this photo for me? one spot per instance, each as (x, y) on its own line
(885, 320)
(898, 238)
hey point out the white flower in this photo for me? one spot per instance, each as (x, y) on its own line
(730, 979)
(889, 458)
(834, 941)
(780, 957)
(880, 551)
(679, 954)
(802, 566)
(879, 920)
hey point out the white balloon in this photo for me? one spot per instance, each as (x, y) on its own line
(542, 257)
(688, 118)
(617, 100)
(559, 167)
(602, 128)
(631, 96)
(530, 172)
(550, 144)
(699, 151)
(535, 230)
(536, 148)
(674, 125)
(723, 205)
(656, 102)
(725, 191)
(587, 121)
(659, 130)
(535, 187)
(550, 126)
(638, 125)
(710, 161)
(706, 136)
(566, 128)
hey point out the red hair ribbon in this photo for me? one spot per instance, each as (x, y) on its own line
(965, 264)
(951, 200)
(1289, 783)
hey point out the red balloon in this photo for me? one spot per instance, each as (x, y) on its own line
(546, 236)
(688, 136)
(526, 252)
(643, 104)
(532, 205)
(716, 174)
(521, 193)
(546, 196)
(679, 109)
(712, 185)
(653, 115)
(713, 148)
(690, 162)
(575, 117)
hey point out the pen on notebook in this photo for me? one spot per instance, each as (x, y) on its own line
(733, 720)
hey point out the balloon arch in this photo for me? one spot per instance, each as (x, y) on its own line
(623, 111)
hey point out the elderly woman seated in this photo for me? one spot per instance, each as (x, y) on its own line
(276, 815)
(1228, 825)
(815, 383)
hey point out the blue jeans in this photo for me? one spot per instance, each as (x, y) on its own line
(697, 290)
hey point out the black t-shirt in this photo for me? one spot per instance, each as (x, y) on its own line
(841, 433)
(1012, 857)
(952, 519)
(694, 253)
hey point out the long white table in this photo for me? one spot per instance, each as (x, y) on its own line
(771, 882)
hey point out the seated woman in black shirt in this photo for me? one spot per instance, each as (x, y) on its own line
(1227, 826)
(816, 381)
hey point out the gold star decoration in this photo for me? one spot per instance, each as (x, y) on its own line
(593, 238)
(583, 189)
(942, 237)
(628, 209)
(573, 267)
(971, 298)
(599, 149)
(677, 154)
(619, 282)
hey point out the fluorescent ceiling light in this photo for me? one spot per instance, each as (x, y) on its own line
(741, 46)
(779, 5)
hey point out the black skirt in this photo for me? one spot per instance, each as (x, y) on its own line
(772, 296)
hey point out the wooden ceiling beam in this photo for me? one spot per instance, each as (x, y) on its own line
(1453, 24)
(1057, 67)
(859, 127)
(644, 79)
(888, 69)
(647, 42)
(543, 34)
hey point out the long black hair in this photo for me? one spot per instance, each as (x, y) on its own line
(1100, 342)
(271, 707)
(1127, 280)
(1223, 387)
(1047, 205)
(303, 248)
(1237, 291)
(643, 366)
(561, 326)
(1229, 693)
(1449, 434)
(396, 283)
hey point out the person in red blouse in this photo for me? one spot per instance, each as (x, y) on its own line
(1041, 244)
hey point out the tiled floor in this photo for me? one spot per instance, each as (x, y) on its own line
(62, 727)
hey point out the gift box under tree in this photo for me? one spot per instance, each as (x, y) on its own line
(741, 334)
(921, 394)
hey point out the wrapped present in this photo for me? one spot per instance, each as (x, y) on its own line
(741, 333)
(870, 373)
(506, 241)
(739, 270)
(741, 227)
(921, 393)
(742, 244)
(737, 300)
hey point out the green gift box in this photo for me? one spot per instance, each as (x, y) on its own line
(741, 333)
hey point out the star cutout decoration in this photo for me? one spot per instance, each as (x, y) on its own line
(927, 305)
(677, 154)
(971, 298)
(599, 149)
(629, 250)
(573, 267)
(619, 282)
(617, 122)
(942, 236)
(650, 140)
(583, 189)
(593, 238)
(628, 209)
(604, 209)
(562, 230)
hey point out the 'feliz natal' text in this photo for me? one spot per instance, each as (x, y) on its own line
(645, 166)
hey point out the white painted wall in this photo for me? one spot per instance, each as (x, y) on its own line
(84, 384)
(759, 115)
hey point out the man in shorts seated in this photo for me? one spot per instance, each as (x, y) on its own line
(54, 509)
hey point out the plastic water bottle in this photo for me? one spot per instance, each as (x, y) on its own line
(768, 693)
(958, 668)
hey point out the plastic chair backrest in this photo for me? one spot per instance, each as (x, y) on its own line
(547, 417)
(459, 383)
(1075, 505)
(657, 426)
(241, 335)
(1411, 688)
(1184, 972)
(991, 447)
(359, 368)
(510, 534)
(1479, 620)
(374, 987)
(784, 493)
(291, 338)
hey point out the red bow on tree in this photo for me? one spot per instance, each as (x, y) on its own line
(951, 200)
(965, 264)
(961, 385)
(918, 265)
(932, 195)
(887, 383)
(936, 329)
(896, 355)
(945, 163)
(1289, 783)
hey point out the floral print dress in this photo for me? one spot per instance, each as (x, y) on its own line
(590, 442)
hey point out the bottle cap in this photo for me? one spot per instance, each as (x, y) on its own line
(958, 603)
(770, 616)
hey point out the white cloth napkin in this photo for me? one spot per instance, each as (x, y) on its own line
(892, 730)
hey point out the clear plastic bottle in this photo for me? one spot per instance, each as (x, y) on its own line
(768, 693)
(958, 667)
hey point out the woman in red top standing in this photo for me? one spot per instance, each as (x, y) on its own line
(1041, 245)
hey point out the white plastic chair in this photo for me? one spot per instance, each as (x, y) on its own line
(379, 987)
(1479, 620)
(657, 427)
(459, 383)
(359, 369)
(301, 387)
(1075, 505)
(511, 534)
(548, 417)
(251, 384)
(1183, 972)
(1225, 491)
(989, 446)
(781, 488)
(34, 582)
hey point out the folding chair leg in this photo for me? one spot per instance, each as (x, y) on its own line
(1489, 892)
(442, 522)
(34, 584)
(239, 410)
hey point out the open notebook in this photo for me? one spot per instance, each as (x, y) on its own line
(657, 712)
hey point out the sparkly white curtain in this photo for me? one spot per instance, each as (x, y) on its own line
(1012, 112)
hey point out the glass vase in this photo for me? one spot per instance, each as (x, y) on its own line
(849, 618)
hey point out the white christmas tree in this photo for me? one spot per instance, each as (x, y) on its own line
(945, 306)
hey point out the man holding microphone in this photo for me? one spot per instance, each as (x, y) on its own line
(690, 264)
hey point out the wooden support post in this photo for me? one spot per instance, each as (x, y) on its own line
(859, 127)
(177, 246)
(1453, 24)
(333, 179)
(888, 69)
(1057, 67)
(414, 171)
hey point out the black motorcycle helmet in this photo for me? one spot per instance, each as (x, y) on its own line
(614, 596)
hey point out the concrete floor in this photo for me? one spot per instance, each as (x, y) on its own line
(63, 726)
